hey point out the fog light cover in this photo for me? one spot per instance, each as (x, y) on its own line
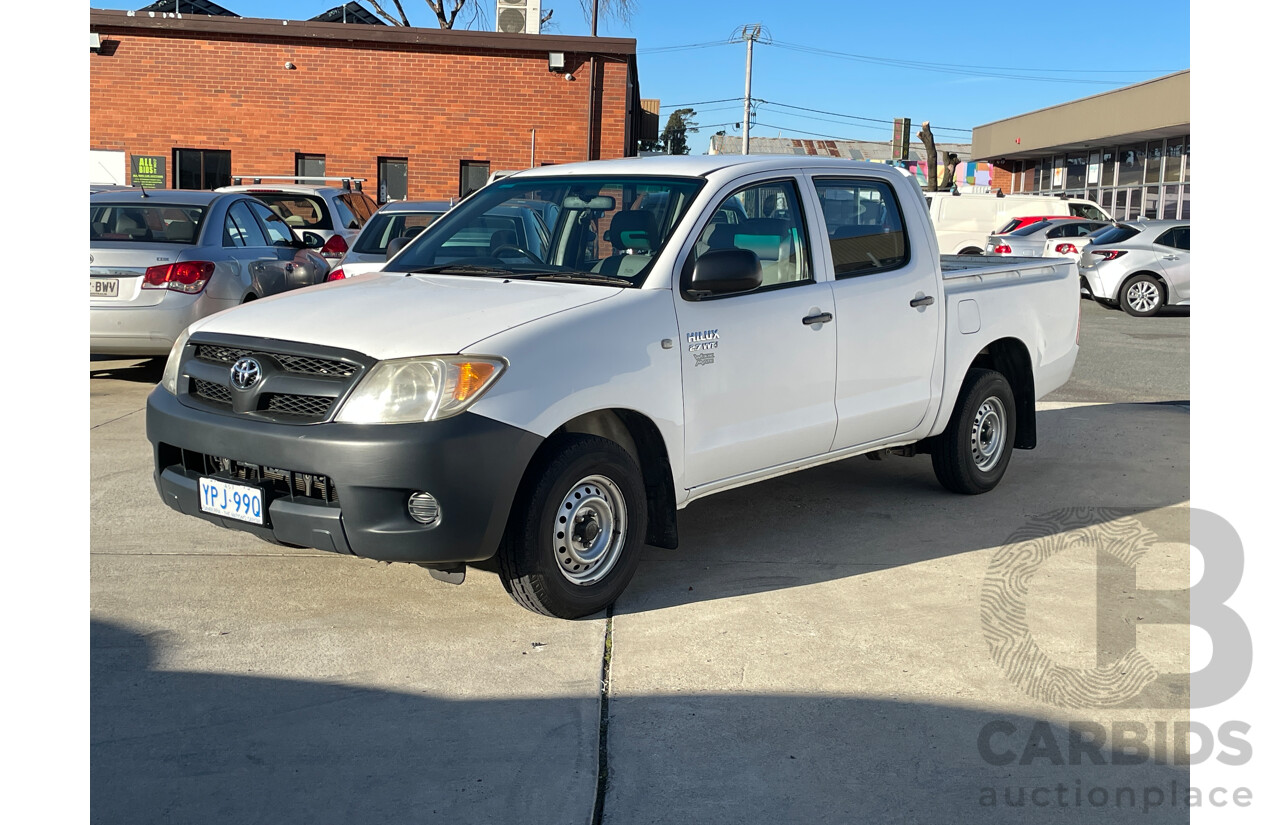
(423, 508)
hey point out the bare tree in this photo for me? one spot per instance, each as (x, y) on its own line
(930, 156)
(447, 11)
(949, 173)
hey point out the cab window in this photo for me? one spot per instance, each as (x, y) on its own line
(864, 225)
(766, 219)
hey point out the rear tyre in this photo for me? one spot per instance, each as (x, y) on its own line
(972, 454)
(576, 530)
(1142, 295)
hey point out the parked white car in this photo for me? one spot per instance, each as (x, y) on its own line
(555, 406)
(1030, 240)
(963, 222)
(398, 219)
(1143, 266)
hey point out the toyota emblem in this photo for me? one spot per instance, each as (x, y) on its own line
(245, 373)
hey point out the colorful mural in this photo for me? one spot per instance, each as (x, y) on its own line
(974, 173)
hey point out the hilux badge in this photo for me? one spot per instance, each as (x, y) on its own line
(245, 373)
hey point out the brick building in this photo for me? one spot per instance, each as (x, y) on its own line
(191, 101)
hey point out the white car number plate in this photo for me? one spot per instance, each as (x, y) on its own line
(104, 287)
(231, 500)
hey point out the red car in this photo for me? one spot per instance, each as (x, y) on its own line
(1025, 220)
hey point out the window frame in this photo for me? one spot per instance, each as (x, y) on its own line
(906, 239)
(257, 225)
(801, 220)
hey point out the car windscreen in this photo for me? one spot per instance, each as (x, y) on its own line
(384, 227)
(145, 222)
(606, 229)
(1116, 234)
(298, 210)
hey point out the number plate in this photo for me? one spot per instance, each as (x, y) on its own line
(104, 287)
(232, 500)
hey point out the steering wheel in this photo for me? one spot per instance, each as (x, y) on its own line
(496, 252)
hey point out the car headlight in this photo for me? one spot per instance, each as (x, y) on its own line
(170, 378)
(419, 389)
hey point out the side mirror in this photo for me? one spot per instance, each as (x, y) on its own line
(396, 245)
(311, 240)
(722, 272)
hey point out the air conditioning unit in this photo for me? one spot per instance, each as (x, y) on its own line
(520, 16)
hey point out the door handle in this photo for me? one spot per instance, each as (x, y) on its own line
(288, 267)
(1171, 257)
(927, 300)
(820, 318)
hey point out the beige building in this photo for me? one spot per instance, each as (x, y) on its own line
(1128, 149)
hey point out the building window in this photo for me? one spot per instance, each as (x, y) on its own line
(309, 166)
(1151, 203)
(1077, 164)
(393, 179)
(1185, 207)
(1121, 210)
(1155, 153)
(474, 175)
(1131, 160)
(1173, 162)
(201, 168)
(1109, 166)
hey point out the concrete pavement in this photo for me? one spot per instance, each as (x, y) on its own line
(816, 650)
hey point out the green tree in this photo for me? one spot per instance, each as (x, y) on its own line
(674, 138)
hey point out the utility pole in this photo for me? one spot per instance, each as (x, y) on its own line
(750, 34)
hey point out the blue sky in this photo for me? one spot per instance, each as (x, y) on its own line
(843, 61)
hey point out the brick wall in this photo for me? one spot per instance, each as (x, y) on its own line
(156, 90)
(1002, 177)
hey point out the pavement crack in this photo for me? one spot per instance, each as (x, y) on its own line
(602, 748)
(118, 418)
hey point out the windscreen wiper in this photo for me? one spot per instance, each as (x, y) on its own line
(579, 278)
(461, 269)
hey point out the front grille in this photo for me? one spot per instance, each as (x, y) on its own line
(215, 393)
(298, 384)
(307, 406)
(299, 364)
(278, 482)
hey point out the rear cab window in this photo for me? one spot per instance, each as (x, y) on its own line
(386, 227)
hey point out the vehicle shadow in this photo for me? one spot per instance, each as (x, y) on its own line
(193, 747)
(856, 516)
(143, 370)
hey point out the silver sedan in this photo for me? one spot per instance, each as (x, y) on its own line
(161, 259)
(1029, 241)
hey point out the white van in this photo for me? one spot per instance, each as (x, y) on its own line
(964, 221)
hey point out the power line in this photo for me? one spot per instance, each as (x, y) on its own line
(856, 117)
(665, 49)
(946, 68)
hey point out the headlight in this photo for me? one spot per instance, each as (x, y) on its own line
(419, 389)
(170, 378)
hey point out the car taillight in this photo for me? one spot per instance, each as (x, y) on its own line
(187, 276)
(1003, 249)
(1066, 248)
(337, 275)
(1108, 254)
(335, 247)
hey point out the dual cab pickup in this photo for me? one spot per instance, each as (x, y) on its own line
(552, 391)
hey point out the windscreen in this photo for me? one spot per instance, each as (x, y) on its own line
(385, 227)
(606, 230)
(298, 210)
(145, 223)
(1116, 234)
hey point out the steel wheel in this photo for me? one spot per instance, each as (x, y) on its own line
(987, 436)
(590, 531)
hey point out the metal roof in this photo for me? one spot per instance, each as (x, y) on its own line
(851, 149)
(189, 7)
(349, 13)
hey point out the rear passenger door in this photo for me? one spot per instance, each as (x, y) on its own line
(758, 368)
(1173, 255)
(285, 266)
(888, 308)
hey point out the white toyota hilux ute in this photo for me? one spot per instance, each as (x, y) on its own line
(684, 326)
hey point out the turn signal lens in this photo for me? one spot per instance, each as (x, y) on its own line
(472, 377)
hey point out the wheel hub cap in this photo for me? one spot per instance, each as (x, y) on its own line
(590, 529)
(988, 435)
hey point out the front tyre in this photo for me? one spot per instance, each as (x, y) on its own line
(1142, 295)
(577, 529)
(971, 455)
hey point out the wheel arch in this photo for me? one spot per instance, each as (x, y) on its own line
(636, 433)
(1010, 357)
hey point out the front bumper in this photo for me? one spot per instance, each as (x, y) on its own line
(472, 465)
